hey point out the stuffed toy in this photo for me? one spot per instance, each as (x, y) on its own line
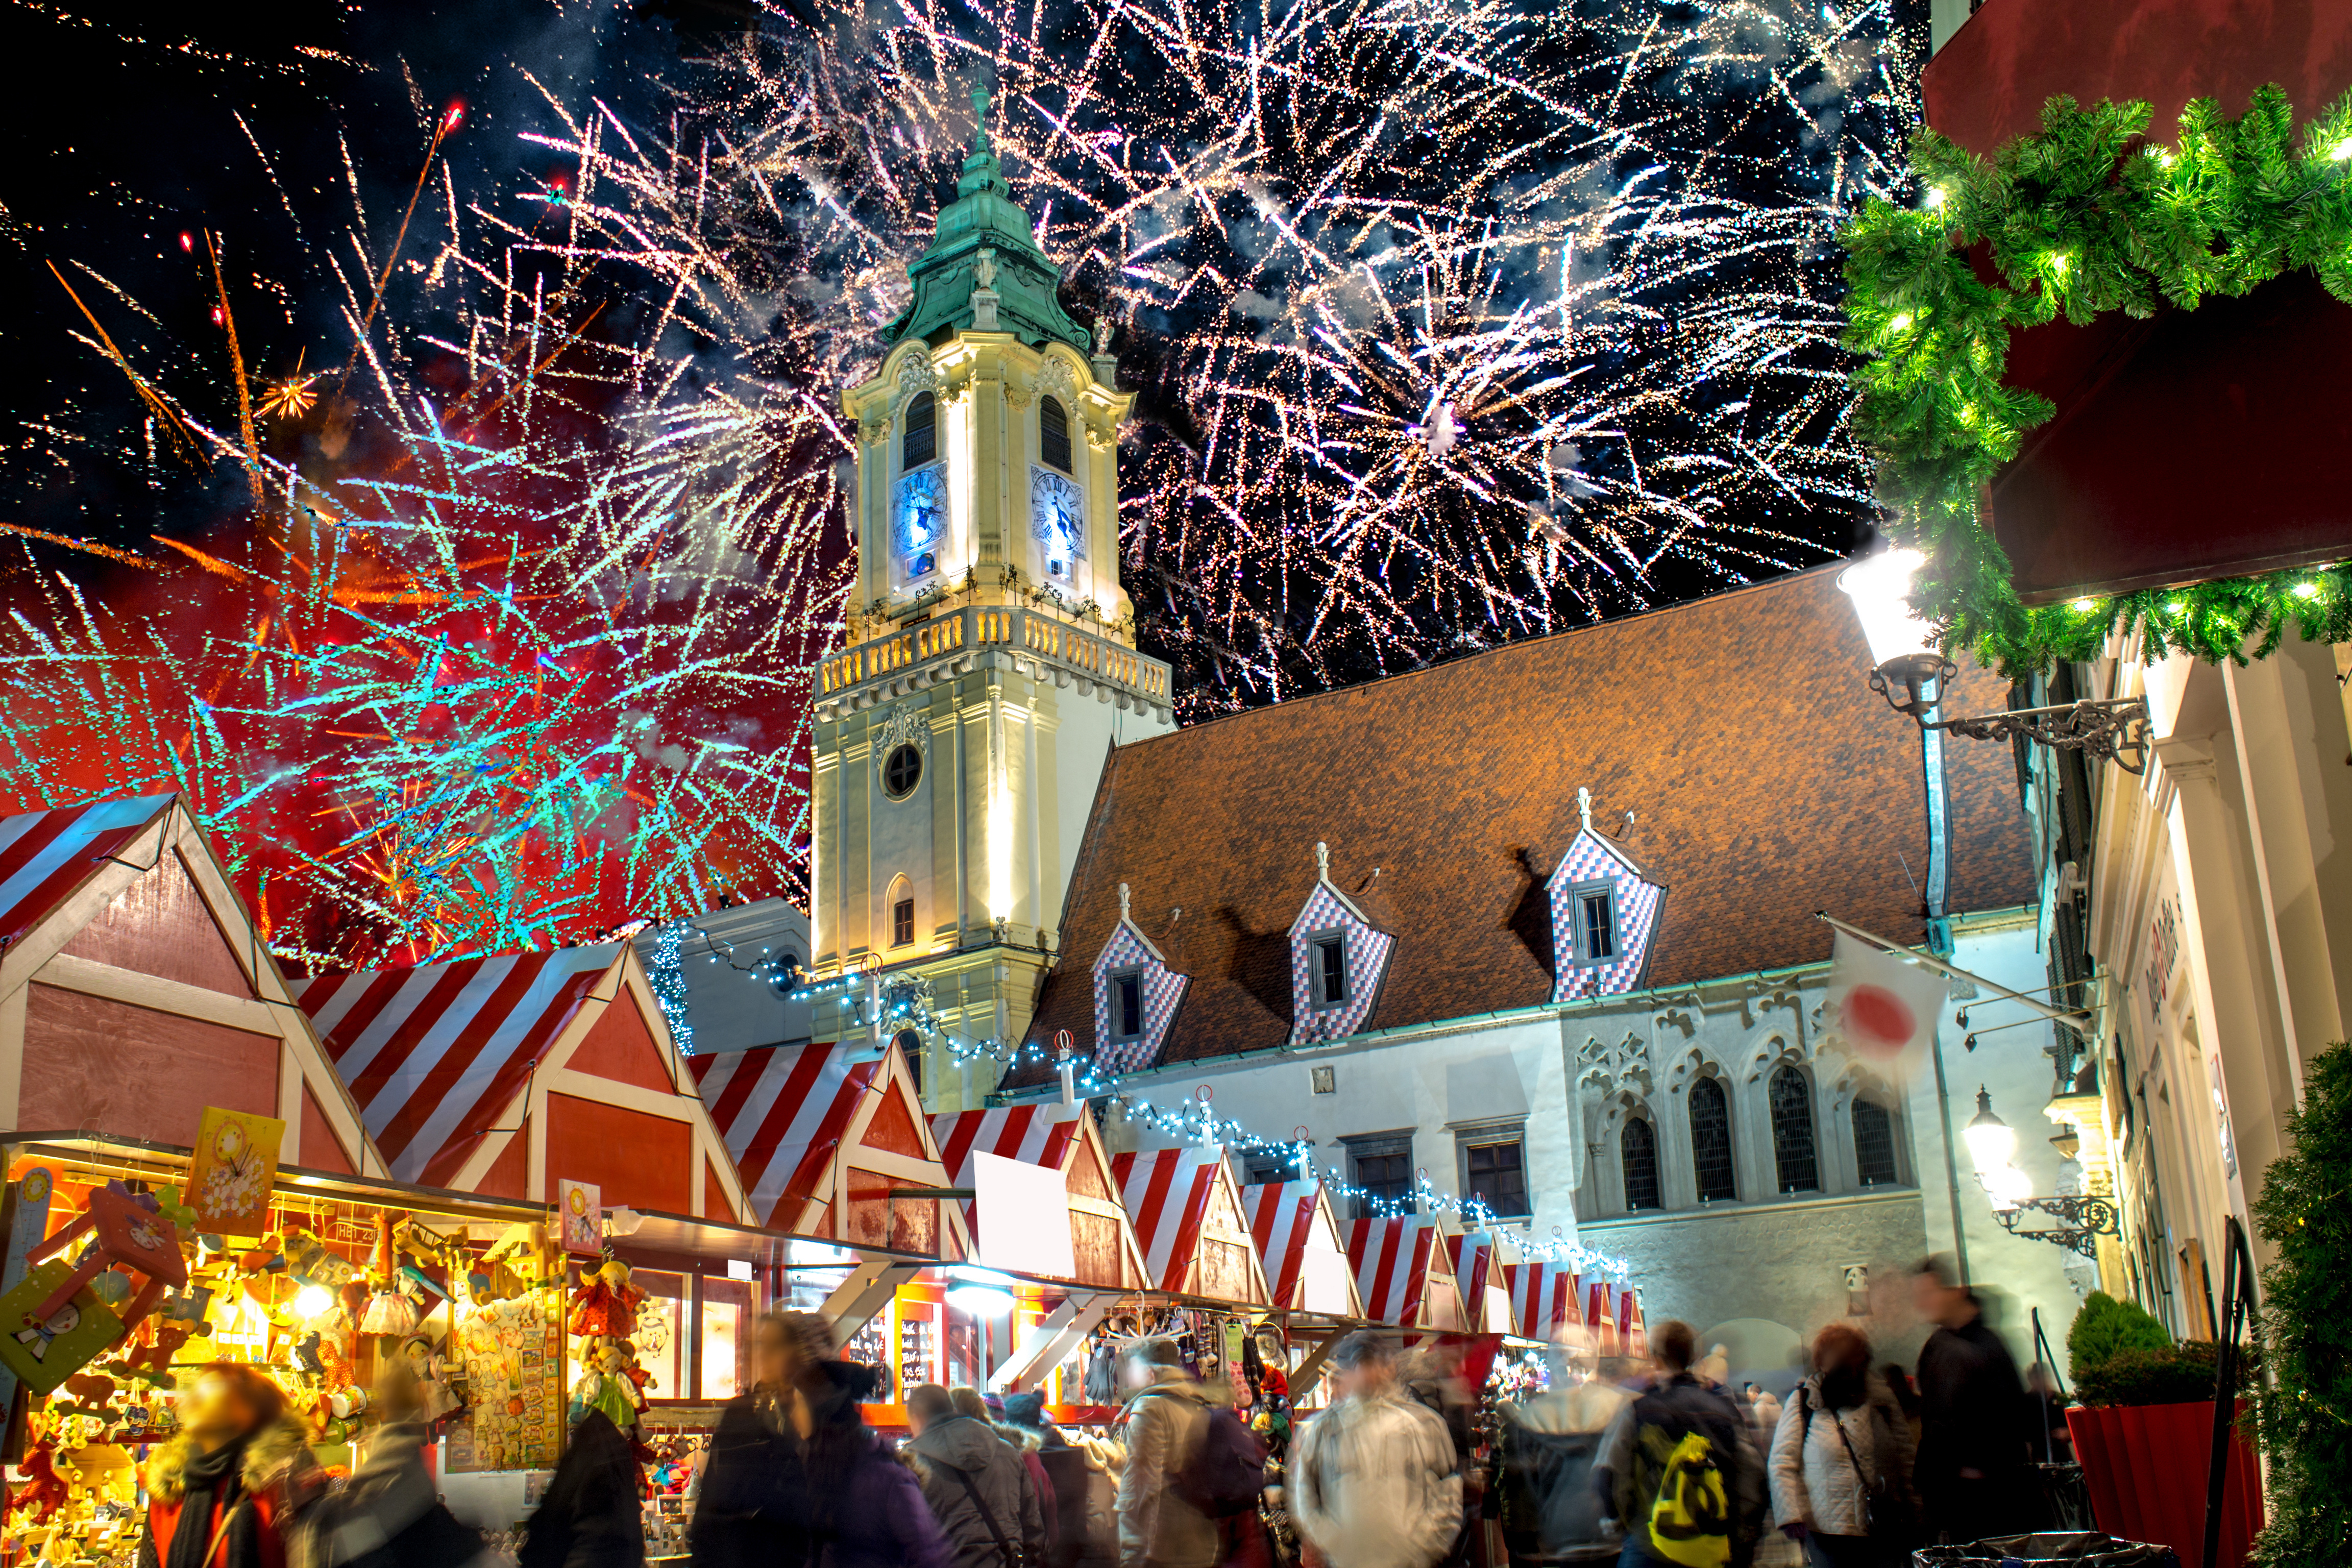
(605, 1303)
(432, 1376)
(602, 1386)
(639, 1378)
(389, 1312)
(44, 1490)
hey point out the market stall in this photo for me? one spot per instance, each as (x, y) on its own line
(1403, 1274)
(1601, 1317)
(168, 1257)
(1298, 1242)
(1188, 1214)
(131, 975)
(825, 1137)
(1632, 1339)
(512, 1074)
(1475, 1259)
(1543, 1301)
(1104, 1249)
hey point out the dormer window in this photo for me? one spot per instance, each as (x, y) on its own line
(1053, 433)
(1127, 1004)
(1597, 925)
(1330, 956)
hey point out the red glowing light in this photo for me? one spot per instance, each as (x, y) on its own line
(217, 315)
(451, 120)
(188, 241)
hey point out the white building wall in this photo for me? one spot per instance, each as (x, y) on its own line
(726, 959)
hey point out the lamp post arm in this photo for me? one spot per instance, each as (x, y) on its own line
(2078, 1022)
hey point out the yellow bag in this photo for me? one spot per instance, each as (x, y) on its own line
(1691, 1522)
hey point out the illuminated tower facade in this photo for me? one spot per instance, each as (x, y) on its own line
(990, 659)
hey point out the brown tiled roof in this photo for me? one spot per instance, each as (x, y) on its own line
(1767, 779)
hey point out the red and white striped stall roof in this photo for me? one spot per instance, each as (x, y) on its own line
(1473, 1256)
(1600, 1316)
(1035, 1134)
(1633, 1336)
(1392, 1259)
(784, 1111)
(46, 855)
(1543, 1298)
(1281, 1221)
(435, 1054)
(1166, 1192)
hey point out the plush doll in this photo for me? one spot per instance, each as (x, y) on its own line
(389, 1312)
(605, 1303)
(432, 1376)
(44, 1490)
(639, 1378)
(602, 1386)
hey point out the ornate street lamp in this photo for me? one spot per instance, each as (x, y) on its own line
(1991, 1143)
(1911, 674)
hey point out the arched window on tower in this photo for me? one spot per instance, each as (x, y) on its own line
(1710, 1123)
(1640, 1148)
(1873, 1144)
(1053, 433)
(921, 441)
(1792, 1132)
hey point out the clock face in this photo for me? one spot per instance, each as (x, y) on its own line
(918, 520)
(1057, 515)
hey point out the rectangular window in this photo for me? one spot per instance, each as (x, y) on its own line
(1127, 1004)
(1331, 961)
(1496, 1174)
(1600, 926)
(902, 923)
(1259, 1170)
(1381, 1166)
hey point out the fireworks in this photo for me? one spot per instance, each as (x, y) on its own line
(1451, 325)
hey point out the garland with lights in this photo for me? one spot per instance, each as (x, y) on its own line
(2080, 218)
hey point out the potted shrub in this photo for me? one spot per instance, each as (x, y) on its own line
(2144, 1433)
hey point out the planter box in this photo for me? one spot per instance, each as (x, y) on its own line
(2146, 1468)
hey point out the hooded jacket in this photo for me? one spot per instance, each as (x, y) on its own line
(1815, 1481)
(277, 1479)
(388, 1515)
(1634, 1454)
(959, 1446)
(1163, 1424)
(589, 1518)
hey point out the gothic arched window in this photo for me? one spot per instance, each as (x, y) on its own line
(1640, 1148)
(1792, 1132)
(1710, 1122)
(1053, 433)
(921, 442)
(1873, 1144)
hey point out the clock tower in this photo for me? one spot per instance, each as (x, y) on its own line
(991, 659)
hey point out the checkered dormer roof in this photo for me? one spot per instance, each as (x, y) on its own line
(1369, 948)
(1589, 860)
(1163, 989)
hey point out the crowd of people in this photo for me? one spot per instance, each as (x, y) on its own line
(1660, 1466)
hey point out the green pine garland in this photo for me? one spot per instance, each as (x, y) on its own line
(2081, 218)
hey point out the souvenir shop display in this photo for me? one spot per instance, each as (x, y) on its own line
(510, 1354)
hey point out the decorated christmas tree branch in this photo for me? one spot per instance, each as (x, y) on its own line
(2083, 219)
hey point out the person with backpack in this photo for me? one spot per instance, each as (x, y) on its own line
(976, 1484)
(1840, 1467)
(1374, 1480)
(1678, 1467)
(1194, 1471)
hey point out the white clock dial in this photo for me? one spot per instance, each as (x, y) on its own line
(1057, 514)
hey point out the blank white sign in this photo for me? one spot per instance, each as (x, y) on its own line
(1024, 1216)
(1326, 1276)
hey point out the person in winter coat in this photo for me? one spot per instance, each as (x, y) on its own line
(975, 1483)
(1548, 1448)
(388, 1514)
(589, 1518)
(1636, 1451)
(972, 1403)
(1973, 1416)
(1840, 1436)
(229, 1490)
(1164, 1422)
(1373, 1479)
(1071, 1474)
(795, 1476)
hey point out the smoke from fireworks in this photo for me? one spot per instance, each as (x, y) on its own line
(1453, 323)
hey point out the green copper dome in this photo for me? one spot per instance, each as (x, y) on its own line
(984, 218)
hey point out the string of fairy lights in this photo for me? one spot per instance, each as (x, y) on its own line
(906, 1003)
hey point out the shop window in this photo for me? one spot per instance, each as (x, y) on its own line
(1710, 1125)
(1792, 1132)
(1639, 1149)
(722, 1350)
(922, 438)
(1873, 1144)
(1494, 1174)
(1328, 956)
(1380, 1166)
(1053, 433)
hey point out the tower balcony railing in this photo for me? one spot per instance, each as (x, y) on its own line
(949, 645)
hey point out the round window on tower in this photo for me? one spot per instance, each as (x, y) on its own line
(901, 771)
